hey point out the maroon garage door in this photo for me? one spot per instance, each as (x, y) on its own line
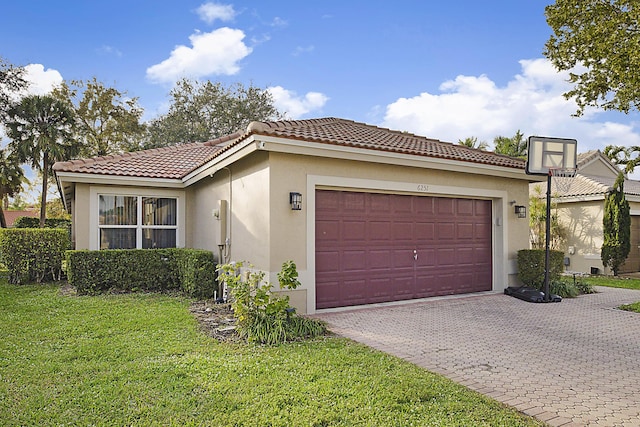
(383, 247)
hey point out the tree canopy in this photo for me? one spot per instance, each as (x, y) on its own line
(41, 131)
(516, 146)
(201, 111)
(600, 38)
(616, 227)
(11, 179)
(11, 81)
(472, 142)
(107, 121)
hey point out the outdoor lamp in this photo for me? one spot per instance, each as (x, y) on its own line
(521, 211)
(295, 200)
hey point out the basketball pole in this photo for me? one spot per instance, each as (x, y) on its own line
(547, 297)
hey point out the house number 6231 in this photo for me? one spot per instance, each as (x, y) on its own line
(423, 187)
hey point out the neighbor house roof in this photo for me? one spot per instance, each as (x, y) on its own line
(11, 216)
(588, 185)
(177, 161)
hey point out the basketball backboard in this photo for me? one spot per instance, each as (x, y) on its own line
(545, 153)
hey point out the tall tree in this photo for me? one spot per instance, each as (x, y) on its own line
(41, 131)
(107, 121)
(11, 82)
(472, 142)
(602, 36)
(11, 179)
(516, 146)
(201, 111)
(616, 227)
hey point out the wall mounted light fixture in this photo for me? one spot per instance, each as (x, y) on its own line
(521, 211)
(295, 200)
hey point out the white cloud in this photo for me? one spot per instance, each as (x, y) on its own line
(299, 50)
(110, 50)
(217, 52)
(295, 106)
(532, 102)
(209, 12)
(41, 81)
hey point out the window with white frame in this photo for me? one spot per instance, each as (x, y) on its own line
(130, 222)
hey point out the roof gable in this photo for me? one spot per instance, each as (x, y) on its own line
(597, 164)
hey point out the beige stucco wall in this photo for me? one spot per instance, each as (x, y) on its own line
(583, 221)
(80, 216)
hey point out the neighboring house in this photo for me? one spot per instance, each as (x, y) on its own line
(581, 207)
(368, 214)
(12, 216)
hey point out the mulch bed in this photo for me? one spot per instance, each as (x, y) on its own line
(216, 320)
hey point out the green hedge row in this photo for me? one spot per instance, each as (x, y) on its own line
(531, 266)
(31, 222)
(33, 254)
(192, 271)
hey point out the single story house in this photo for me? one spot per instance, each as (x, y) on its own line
(580, 208)
(368, 214)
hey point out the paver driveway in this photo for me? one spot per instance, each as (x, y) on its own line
(571, 363)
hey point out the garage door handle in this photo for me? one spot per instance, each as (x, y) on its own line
(415, 255)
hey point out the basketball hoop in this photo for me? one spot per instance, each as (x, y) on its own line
(562, 178)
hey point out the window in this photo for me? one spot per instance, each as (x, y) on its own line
(129, 222)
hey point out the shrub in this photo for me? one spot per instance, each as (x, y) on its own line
(531, 266)
(263, 317)
(153, 270)
(563, 288)
(33, 254)
(584, 287)
(32, 222)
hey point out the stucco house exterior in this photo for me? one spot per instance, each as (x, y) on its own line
(368, 214)
(580, 209)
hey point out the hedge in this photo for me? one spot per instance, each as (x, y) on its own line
(31, 222)
(191, 271)
(33, 254)
(531, 266)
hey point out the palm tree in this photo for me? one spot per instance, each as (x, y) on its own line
(516, 146)
(11, 179)
(472, 142)
(41, 131)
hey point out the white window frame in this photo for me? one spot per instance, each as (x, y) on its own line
(94, 207)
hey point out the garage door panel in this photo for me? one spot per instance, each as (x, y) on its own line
(327, 231)
(365, 247)
(354, 261)
(379, 230)
(446, 231)
(354, 230)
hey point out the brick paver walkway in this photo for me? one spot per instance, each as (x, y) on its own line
(573, 363)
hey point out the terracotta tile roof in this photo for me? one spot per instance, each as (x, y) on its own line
(170, 162)
(360, 135)
(12, 216)
(177, 161)
(588, 185)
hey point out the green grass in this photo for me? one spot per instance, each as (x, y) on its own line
(612, 282)
(141, 360)
(635, 307)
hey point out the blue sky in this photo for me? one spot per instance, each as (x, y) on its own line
(446, 70)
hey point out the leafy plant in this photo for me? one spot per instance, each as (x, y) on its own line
(531, 266)
(563, 288)
(616, 227)
(262, 316)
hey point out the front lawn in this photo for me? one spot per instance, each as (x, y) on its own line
(141, 360)
(612, 282)
(616, 282)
